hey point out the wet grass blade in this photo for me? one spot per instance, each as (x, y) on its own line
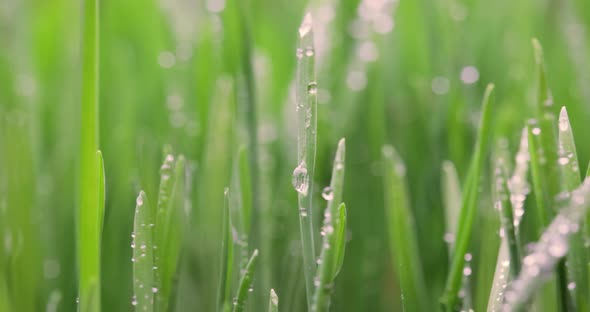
(577, 259)
(89, 212)
(168, 227)
(273, 302)
(549, 250)
(244, 287)
(143, 257)
(501, 279)
(518, 185)
(451, 191)
(504, 205)
(306, 101)
(402, 239)
(332, 231)
(227, 260)
(469, 205)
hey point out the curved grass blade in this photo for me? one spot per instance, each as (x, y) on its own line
(244, 287)
(273, 302)
(143, 257)
(227, 260)
(89, 222)
(451, 191)
(577, 259)
(168, 227)
(402, 239)
(549, 250)
(334, 241)
(469, 205)
(306, 110)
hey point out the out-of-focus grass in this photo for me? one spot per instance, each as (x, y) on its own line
(407, 73)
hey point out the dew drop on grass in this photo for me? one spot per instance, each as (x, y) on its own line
(305, 27)
(302, 212)
(309, 52)
(312, 87)
(536, 131)
(563, 160)
(299, 53)
(300, 179)
(154, 289)
(328, 193)
(571, 286)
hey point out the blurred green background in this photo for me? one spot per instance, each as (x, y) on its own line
(406, 72)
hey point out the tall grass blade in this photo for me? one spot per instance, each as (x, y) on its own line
(577, 259)
(550, 249)
(273, 302)
(89, 212)
(451, 191)
(245, 285)
(518, 185)
(332, 230)
(402, 239)
(144, 287)
(306, 107)
(469, 205)
(168, 227)
(227, 260)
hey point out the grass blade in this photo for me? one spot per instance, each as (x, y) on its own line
(306, 101)
(143, 258)
(244, 287)
(273, 302)
(469, 204)
(518, 185)
(577, 259)
(451, 191)
(168, 227)
(403, 243)
(501, 279)
(504, 206)
(334, 241)
(89, 212)
(549, 250)
(227, 260)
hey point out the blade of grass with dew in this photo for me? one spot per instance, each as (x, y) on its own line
(548, 152)
(227, 260)
(306, 110)
(504, 206)
(245, 284)
(400, 224)
(451, 191)
(518, 185)
(168, 228)
(273, 302)
(501, 279)
(332, 248)
(88, 225)
(577, 259)
(333, 242)
(549, 250)
(143, 256)
(241, 205)
(469, 204)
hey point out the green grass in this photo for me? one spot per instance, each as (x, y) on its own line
(238, 95)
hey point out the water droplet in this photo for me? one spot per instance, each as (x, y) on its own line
(563, 160)
(303, 212)
(305, 27)
(312, 88)
(134, 301)
(154, 289)
(300, 179)
(309, 52)
(328, 193)
(467, 271)
(558, 250)
(571, 286)
(469, 75)
(536, 131)
(299, 53)
(139, 200)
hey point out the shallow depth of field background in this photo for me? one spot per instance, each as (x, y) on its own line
(406, 72)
